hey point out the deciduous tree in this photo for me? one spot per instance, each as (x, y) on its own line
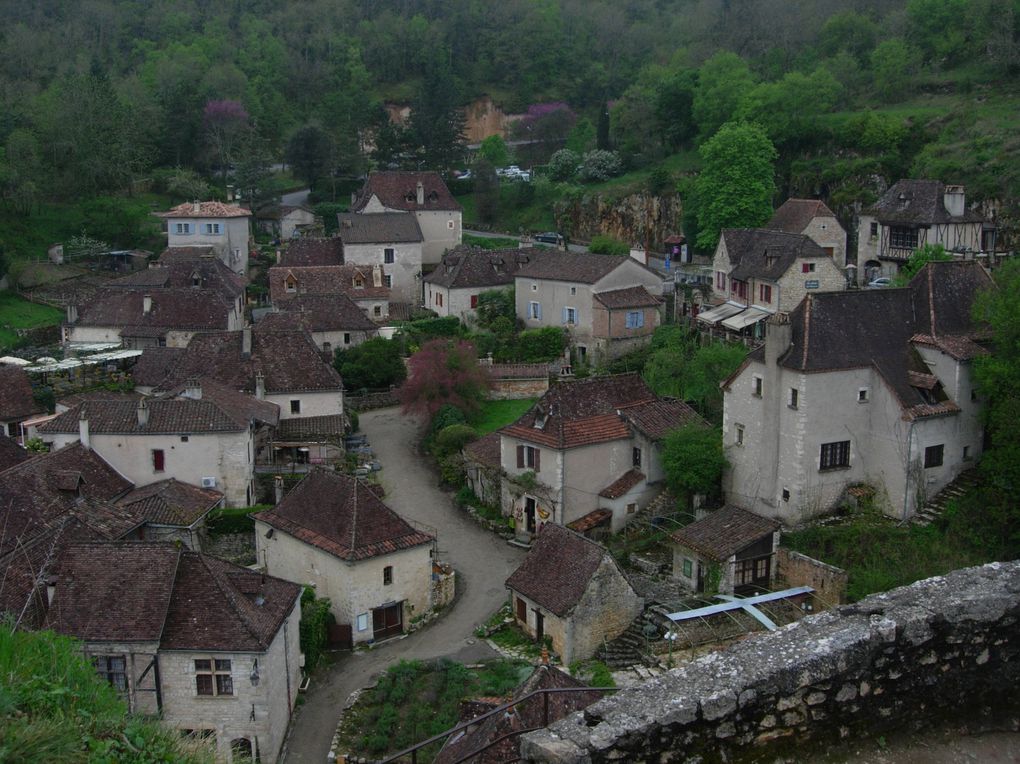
(693, 460)
(444, 372)
(373, 365)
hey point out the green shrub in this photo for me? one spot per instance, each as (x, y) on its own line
(607, 245)
(446, 416)
(373, 365)
(314, 627)
(534, 345)
(451, 439)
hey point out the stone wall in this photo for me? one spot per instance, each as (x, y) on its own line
(635, 219)
(377, 400)
(516, 389)
(828, 581)
(936, 650)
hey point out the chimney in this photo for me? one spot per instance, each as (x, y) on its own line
(193, 389)
(637, 252)
(954, 201)
(51, 589)
(377, 275)
(72, 314)
(421, 194)
(196, 207)
(778, 336)
(260, 385)
(279, 256)
(246, 342)
(147, 304)
(83, 430)
(143, 413)
(278, 488)
(354, 198)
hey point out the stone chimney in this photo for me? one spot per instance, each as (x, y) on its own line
(420, 194)
(193, 389)
(143, 413)
(778, 336)
(260, 385)
(83, 430)
(196, 207)
(637, 252)
(278, 488)
(279, 256)
(72, 314)
(146, 304)
(246, 342)
(955, 201)
(377, 275)
(51, 589)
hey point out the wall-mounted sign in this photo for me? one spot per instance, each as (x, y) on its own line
(811, 284)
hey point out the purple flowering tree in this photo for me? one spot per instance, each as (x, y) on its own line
(225, 121)
(546, 122)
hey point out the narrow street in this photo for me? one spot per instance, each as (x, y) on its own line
(482, 562)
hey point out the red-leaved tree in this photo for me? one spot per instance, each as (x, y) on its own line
(224, 122)
(444, 372)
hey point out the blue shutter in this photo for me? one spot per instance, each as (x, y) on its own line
(639, 319)
(564, 315)
(539, 306)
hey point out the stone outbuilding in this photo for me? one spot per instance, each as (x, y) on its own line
(16, 401)
(815, 220)
(571, 590)
(333, 533)
(729, 551)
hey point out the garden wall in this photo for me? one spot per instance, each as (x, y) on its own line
(828, 581)
(943, 648)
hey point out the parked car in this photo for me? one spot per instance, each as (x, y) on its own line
(879, 283)
(549, 237)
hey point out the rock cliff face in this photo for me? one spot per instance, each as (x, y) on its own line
(636, 219)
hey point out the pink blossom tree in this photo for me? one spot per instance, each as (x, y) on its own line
(444, 372)
(225, 121)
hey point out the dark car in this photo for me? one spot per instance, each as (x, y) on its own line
(549, 237)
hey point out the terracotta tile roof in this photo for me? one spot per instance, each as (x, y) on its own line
(278, 211)
(153, 365)
(591, 520)
(622, 484)
(485, 450)
(961, 348)
(378, 228)
(165, 416)
(557, 569)
(335, 279)
(525, 715)
(724, 532)
(170, 502)
(186, 254)
(239, 406)
(794, 215)
(320, 429)
(96, 395)
(499, 371)
(757, 253)
(318, 313)
(918, 202)
(340, 515)
(313, 251)
(290, 362)
(205, 210)
(181, 309)
(581, 267)
(16, 400)
(582, 412)
(657, 418)
(467, 267)
(11, 453)
(398, 191)
(203, 273)
(631, 297)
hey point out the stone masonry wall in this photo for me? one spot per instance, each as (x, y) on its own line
(940, 648)
(828, 581)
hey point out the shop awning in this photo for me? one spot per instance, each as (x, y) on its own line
(717, 314)
(745, 319)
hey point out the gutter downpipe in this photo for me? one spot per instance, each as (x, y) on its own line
(906, 487)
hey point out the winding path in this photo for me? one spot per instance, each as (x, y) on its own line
(482, 562)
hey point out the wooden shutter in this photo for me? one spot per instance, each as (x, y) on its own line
(520, 456)
(538, 460)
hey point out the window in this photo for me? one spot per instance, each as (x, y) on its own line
(347, 338)
(387, 575)
(794, 395)
(388, 255)
(113, 668)
(474, 301)
(522, 610)
(291, 284)
(327, 347)
(158, 460)
(830, 251)
(933, 456)
(439, 299)
(903, 238)
(807, 267)
(632, 508)
(973, 393)
(573, 291)
(635, 319)
(295, 406)
(212, 677)
(184, 439)
(211, 228)
(835, 455)
(182, 228)
(756, 387)
(377, 311)
(764, 293)
(387, 281)
(966, 453)
(874, 229)
(362, 621)
(786, 494)
(720, 280)
(570, 315)
(529, 457)
(740, 434)
(450, 224)
(635, 457)
(534, 287)
(535, 310)
(862, 395)
(688, 567)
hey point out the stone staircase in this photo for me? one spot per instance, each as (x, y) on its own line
(930, 512)
(663, 504)
(630, 649)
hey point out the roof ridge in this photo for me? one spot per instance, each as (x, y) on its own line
(231, 596)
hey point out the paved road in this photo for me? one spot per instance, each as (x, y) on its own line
(492, 235)
(296, 198)
(482, 562)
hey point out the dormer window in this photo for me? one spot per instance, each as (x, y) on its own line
(196, 280)
(541, 417)
(290, 284)
(359, 283)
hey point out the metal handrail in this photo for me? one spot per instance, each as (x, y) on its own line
(413, 750)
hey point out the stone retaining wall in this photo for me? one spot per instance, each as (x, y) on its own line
(828, 581)
(944, 648)
(369, 401)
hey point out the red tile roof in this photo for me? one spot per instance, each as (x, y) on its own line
(201, 273)
(186, 254)
(466, 267)
(11, 453)
(631, 297)
(724, 532)
(165, 416)
(327, 279)
(591, 520)
(659, 417)
(313, 251)
(318, 313)
(170, 502)
(205, 210)
(179, 309)
(320, 429)
(485, 450)
(398, 191)
(378, 228)
(340, 515)
(16, 400)
(622, 484)
(580, 267)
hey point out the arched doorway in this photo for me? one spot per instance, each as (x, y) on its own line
(241, 750)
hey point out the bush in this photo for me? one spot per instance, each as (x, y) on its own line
(598, 166)
(374, 364)
(563, 164)
(447, 416)
(352, 417)
(607, 245)
(534, 345)
(451, 439)
(314, 627)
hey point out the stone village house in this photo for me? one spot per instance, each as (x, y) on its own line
(211, 647)
(587, 445)
(863, 387)
(452, 289)
(332, 532)
(16, 401)
(284, 221)
(812, 218)
(334, 321)
(224, 227)
(571, 590)
(365, 285)
(392, 240)
(608, 305)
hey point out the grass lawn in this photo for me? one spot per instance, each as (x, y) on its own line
(17, 313)
(496, 414)
(415, 700)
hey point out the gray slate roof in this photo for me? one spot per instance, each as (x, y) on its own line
(380, 228)
(917, 202)
(466, 267)
(757, 253)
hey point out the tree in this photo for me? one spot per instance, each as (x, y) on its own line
(187, 185)
(582, 136)
(789, 109)
(225, 121)
(892, 64)
(495, 304)
(693, 460)
(737, 181)
(602, 141)
(929, 253)
(602, 244)
(444, 372)
(724, 81)
(437, 121)
(494, 151)
(563, 164)
(373, 365)
(674, 108)
(598, 166)
(486, 191)
(701, 375)
(310, 153)
(253, 174)
(940, 28)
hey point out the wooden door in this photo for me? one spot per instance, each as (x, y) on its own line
(340, 636)
(539, 625)
(529, 515)
(701, 577)
(387, 621)
(522, 611)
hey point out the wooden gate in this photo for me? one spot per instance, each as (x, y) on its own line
(387, 621)
(339, 636)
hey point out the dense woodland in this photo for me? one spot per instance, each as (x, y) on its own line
(99, 94)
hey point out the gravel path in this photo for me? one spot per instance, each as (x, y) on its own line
(482, 562)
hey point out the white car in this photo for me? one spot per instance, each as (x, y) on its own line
(879, 283)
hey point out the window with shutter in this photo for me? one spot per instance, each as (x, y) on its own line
(520, 456)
